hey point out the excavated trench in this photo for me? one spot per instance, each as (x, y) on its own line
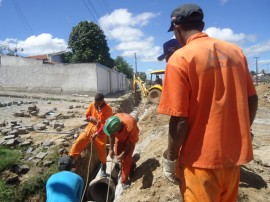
(88, 166)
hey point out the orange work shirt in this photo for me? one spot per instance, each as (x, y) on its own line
(208, 81)
(101, 115)
(130, 131)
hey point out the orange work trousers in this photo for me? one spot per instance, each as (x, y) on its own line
(205, 185)
(126, 162)
(84, 139)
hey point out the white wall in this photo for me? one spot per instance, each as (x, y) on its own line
(26, 74)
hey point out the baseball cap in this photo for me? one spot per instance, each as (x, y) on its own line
(64, 163)
(186, 13)
(168, 48)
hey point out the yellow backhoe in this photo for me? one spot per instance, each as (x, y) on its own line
(151, 91)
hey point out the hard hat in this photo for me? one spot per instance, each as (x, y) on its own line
(65, 163)
(112, 125)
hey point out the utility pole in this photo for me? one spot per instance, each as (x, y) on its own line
(135, 64)
(256, 69)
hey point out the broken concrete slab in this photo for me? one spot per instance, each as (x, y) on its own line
(40, 127)
(10, 142)
(47, 143)
(41, 155)
(26, 143)
(22, 131)
(9, 137)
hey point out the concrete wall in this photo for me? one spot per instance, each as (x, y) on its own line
(26, 74)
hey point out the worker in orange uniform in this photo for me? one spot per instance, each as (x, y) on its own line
(97, 113)
(210, 96)
(124, 134)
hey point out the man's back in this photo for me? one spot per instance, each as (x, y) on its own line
(215, 85)
(64, 186)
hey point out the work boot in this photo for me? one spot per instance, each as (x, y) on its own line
(103, 170)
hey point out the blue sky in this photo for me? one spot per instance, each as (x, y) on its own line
(140, 26)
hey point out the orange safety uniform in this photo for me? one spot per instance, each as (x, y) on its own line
(85, 137)
(208, 81)
(129, 134)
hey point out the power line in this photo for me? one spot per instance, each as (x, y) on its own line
(22, 17)
(94, 9)
(89, 11)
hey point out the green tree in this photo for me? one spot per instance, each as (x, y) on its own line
(142, 76)
(87, 43)
(121, 65)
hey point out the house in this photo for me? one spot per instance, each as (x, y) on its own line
(57, 57)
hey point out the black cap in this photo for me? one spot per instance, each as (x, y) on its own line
(168, 48)
(65, 163)
(186, 13)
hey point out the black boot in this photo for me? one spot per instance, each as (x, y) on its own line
(103, 171)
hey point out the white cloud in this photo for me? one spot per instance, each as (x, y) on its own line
(125, 28)
(258, 49)
(228, 35)
(35, 45)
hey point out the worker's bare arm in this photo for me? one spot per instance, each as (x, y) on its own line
(178, 131)
(253, 106)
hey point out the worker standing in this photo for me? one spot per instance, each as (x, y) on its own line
(97, 113)
(64, 185)
(124, 134)
(210, 96)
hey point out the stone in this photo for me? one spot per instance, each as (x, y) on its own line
(18, 114)
(3, 124)
(40, 127)
(8, 137)
(70, 107)
(22, 131)
(3, 141)
(49, 102)
(42, 116)
(5, 131)
(47, 163)
(25, 143)
(34, 113)
(29, 150)
(14, 132)
(32, 108)
(46, 122)
(14, 122)
(29, 128)
(47, 143)
(58, 129)
(41, 155)
(10, 142)
(16, 127)
(18, 140)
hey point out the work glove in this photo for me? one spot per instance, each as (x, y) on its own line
(169, 168)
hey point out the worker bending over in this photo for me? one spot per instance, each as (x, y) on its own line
(124, 134)
(209, 94)
(97, 113)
